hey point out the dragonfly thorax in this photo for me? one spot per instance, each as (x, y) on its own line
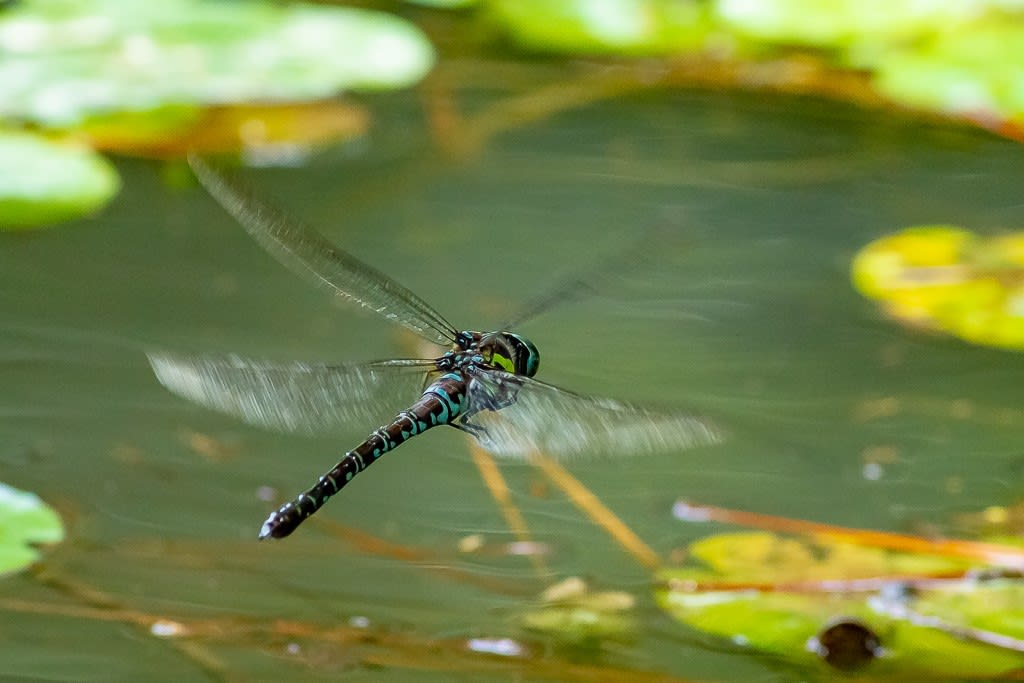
(481, 385)
(507, 351)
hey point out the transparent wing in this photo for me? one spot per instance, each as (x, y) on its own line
(518, 415)
(304, 398)
(595, 277)
(311, 256)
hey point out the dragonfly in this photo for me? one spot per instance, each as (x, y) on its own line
(483, 384)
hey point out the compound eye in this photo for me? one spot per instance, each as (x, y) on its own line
(526, 355)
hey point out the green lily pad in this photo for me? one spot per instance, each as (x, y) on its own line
(620, 27)
(24, 520)
(444, 4)
(44, 182)
(787, 624)
(979, 73)
(61, 61)
(836, 23)
(787, 597)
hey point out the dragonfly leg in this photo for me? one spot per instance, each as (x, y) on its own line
(474, 430)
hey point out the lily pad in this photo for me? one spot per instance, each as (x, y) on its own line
(170, 132)
(835, 23)
(620, 27)
(44, 182)
(947, 279)
(789, 596)
(977, 73)
(62, 61)
(444, 4)
(25, 520)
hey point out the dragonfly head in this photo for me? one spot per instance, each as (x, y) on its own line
(511, 352)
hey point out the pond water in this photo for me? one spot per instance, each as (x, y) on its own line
(740, 309)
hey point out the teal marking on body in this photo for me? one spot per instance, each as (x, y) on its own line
(411, 420)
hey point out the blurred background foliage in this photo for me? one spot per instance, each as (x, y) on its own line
(155, 79)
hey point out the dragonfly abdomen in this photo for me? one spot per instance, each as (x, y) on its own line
(440, 403)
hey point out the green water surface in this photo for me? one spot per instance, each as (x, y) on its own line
(741, 310)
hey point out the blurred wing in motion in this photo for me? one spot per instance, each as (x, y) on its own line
(518, 416)
(303, 398)
(311, 256)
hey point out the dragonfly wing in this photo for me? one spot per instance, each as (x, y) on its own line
(310, 255)
(304, 398)
(539, 417)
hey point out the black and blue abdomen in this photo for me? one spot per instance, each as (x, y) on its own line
(441, 402)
